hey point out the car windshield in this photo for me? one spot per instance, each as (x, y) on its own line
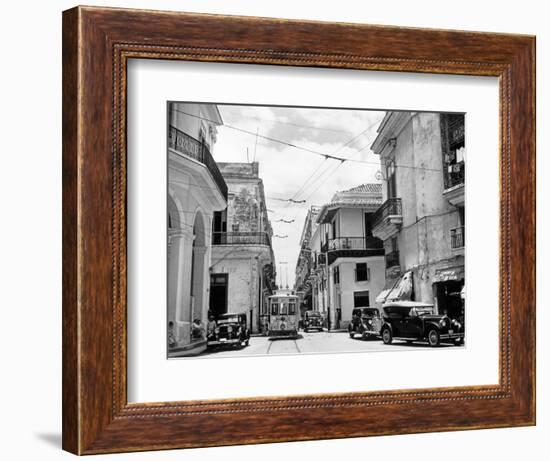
(370, 312)
(313, 314)
(424, 310)
(229, 319)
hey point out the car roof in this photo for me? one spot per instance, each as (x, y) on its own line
(407, 304)
(231, 314)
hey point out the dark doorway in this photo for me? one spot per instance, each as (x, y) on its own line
(218, 294)
(449, 299)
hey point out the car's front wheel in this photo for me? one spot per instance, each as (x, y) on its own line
(387, 336)
(433, 338)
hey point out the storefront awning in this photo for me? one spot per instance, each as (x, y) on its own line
(448, 274)
(397, 289)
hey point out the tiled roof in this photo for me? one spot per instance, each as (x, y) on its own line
(373, 188)
(367, 196)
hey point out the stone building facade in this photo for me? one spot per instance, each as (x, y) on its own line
(196, 190)
(422, 219)
(242, 268)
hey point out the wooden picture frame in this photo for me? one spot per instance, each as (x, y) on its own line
(97, 43)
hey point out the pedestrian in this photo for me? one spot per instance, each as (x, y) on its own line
(211, 326)
(171, 334)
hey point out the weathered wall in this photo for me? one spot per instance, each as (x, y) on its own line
(424, 239)
(246, 212)
(244, 267)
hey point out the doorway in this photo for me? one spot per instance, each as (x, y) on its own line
(218, 294)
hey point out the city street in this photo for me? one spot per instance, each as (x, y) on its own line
(310, 343)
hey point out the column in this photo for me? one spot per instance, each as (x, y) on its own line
(180, 243)
(200, 284)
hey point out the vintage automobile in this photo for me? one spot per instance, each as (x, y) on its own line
(230, 330)
(365, 321)
(312, 321)
(414, 321)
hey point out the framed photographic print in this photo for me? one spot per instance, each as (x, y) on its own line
(284, 230)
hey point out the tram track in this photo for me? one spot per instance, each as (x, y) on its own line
(269, 347)
(283, 346)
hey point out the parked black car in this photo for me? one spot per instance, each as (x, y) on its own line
(231, 330)
(413, 321)
(365, 321)
(312, 321)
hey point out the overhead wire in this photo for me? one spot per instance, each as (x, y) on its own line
(305, 149)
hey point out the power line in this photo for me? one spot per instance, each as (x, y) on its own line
(324, 175)
(332, 172)
(291, 200)
(305, 149)
(351, 141)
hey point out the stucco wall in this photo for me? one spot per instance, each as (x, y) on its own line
(348, 285)
(243, 267)
(351, 222)
(424, 238)
(246, 202)
(244, 263)
(191, 124)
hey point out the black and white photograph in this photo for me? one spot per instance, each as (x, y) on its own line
(302, 230)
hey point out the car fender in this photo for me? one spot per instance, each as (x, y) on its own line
(431, 326)
(388, 325)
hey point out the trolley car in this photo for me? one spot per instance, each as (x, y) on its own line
(284, 315)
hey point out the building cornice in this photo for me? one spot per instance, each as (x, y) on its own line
(390, 128)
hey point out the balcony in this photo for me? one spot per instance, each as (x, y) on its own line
(392, 259)
(454, 184)
(353, 247)
(387, 220)
(321, 261)
(184, 144)
(457, 238)
(241, 238)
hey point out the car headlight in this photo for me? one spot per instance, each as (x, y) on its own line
(442, 322)
(216, 330)
(229, 329)
(369, 322)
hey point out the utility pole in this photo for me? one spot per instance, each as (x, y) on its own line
(329, 321)
(256, 143)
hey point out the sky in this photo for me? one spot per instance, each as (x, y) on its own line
(293, 171)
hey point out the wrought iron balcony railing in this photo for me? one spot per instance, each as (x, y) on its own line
(391, 207)
(354, 243)
(457, 238)
(189, 146)
(241, 238)
(392, 259)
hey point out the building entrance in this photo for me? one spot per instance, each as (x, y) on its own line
(449, 299)
(218, 294)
